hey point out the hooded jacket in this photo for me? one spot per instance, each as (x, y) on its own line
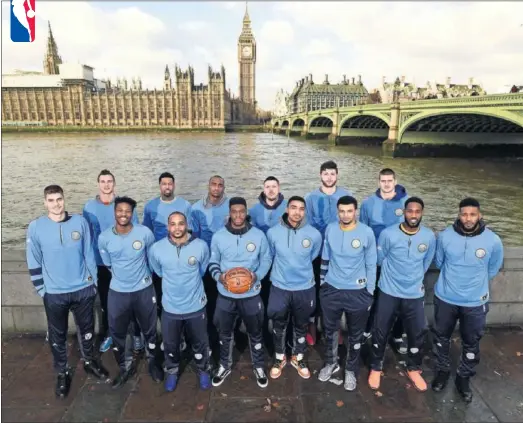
(264, 216)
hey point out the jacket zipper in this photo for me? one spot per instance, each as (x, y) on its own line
(61, 236)
(410, 242)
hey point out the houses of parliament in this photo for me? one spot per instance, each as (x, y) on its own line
(67, 94)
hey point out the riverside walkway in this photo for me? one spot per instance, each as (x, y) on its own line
(28, 390)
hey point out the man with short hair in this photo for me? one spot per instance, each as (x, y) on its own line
(181, 260)
(294, 244)
(469, 255)
(155, 214)
(322, 210)
(348, 280)
(99, 212)
(62, 266)
(239, 244)
(124, 249)
(405, 252)
(270, 207)
(382, 209)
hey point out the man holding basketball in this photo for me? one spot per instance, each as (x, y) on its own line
(294, 244)
(242, 249)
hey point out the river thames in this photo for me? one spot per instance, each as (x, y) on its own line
(31, 161)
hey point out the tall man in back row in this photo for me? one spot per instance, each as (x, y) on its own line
(239, 244)
(63, 270)
(322, 210)
(99, 212)
(382, 209)
(468, 255)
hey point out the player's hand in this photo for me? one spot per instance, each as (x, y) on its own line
(254, 279)
(223, 281)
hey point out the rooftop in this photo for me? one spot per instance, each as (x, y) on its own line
(28, 390)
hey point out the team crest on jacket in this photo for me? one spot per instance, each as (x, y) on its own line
(356, 243)
(480, 253)
(192, 261)
(137, 245)
(76, 235)
(306, 243)
(251, 246)
(398, 212)
(422, 248)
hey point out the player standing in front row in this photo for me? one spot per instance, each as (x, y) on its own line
(63, 270)
(322, 209)
(348, 276)
(124, 249)
(294, 244)
(239, 244)
(181, 260)
(468, 255)
(405, 252)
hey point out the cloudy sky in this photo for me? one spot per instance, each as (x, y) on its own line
(419, 40)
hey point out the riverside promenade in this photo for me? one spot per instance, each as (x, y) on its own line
(28, 380)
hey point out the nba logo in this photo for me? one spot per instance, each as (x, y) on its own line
(23, 18)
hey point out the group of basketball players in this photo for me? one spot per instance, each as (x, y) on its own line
(308, 257)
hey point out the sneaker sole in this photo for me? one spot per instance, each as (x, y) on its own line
(298, 369)
(262, 386)
(226, 375)
(336, 369)
(274, 377)
(349, 389)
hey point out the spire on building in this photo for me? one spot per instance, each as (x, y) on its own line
(246, 30)
(52, 59)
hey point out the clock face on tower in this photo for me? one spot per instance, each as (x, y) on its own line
(246, 51)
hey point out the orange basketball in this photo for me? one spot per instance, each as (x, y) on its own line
(238, 280)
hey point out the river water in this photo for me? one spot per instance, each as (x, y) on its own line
(32, 161)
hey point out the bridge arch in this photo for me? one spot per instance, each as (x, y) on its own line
(276, 124)
(321, 122)
(285, 123)
(363, 128)
(472, 126)
(298, 124)
(365, 121)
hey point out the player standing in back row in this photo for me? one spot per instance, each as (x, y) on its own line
(321, 206)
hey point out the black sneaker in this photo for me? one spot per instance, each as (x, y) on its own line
(261, 377)
(155, 371)
(220, 375)
(63, 384)
(440, 381)
(122, 378)
(463, 387)
(96, 369)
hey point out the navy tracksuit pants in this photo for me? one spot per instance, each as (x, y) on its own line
(252, 312)
(195, 325)
(356, 304)
(284, 304)
(57, 307)
(472, 321)
(123, 307)
(412, 312)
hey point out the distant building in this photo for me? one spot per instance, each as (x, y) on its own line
(309, 96)
(516, 89)
(280, 104)
(69, 94)
(408, 91)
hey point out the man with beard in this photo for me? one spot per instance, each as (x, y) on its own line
(62, 266)
(468, 255)
(294, 244)
(382, 209)
(270, 207)
(322, 210)
(181, 260)
(124, 249)
(239, 244)
(99, 212)
(348, 280)
(405, 252)
(155, 215)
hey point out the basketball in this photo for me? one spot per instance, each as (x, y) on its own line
(238, 280)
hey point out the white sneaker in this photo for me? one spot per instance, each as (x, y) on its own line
(261, 377)
(327, 372)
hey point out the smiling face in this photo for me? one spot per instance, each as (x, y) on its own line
(413, 214)
(123, 213)
(54, 204)
(177, 226)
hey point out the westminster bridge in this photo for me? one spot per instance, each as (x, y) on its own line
(480, 126)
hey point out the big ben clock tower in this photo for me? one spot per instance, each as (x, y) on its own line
(247, 60)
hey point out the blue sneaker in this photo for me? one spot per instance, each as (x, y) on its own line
(106, 344)
(170, 382)
(205, 381)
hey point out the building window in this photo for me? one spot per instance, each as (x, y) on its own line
(96, 115)
(136, 115)
(58, 115)
(168, 115)
(151, 115)
(120, 115)
(111, 114)
(128, 115)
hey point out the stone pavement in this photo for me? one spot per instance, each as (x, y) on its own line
(28, 391)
